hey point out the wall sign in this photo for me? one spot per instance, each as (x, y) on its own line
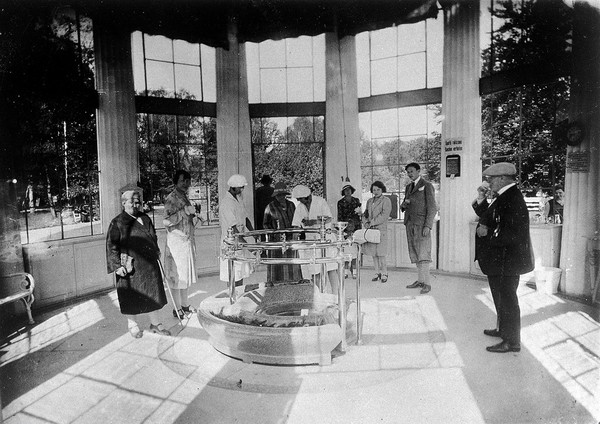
(453, 166)
(578, 162)
(453, 145)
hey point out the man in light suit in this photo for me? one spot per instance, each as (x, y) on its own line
(419, 211)
(504, 251)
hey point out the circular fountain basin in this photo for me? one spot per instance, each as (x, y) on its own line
(283, 324)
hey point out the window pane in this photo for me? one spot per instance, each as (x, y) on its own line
(209, 73)
(412, 120)
(160, 78)
(272, 54)
(158, 48)
(188, 82)
(273, 86)
(435, 52)
(383, 76)
(319, 68)
(185, 52)
(162, 151)
(137, 56)
(384, 123)
(291, 163)
(299, 51)
(383, 43)
(363, 65)
(300, 84)
(252, 66)
(411, 38)
(411, 72)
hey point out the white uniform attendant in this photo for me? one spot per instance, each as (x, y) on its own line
(232, 212)
(318, 207)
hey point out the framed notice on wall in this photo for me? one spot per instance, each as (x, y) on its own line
(453, 166)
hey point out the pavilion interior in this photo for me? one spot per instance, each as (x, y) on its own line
(99, 97)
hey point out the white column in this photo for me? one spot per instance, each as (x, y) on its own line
(115, 117)
(342, 136)
(582, 187)
(234, 151)
(461, 132)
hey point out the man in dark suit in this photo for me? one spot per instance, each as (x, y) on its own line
(503, 249)
(262, 197)
(419, 209)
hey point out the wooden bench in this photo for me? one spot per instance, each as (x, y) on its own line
(18, 286)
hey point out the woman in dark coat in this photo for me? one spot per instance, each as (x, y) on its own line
(278, 215)
(132, 253)
(348, 209)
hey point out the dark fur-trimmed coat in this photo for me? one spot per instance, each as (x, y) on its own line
(141, 291)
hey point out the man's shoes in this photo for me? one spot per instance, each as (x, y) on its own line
(415, 285)
(384, 278)
(503, 347)
(377, 277)
(426, 288)
(492, 332)
(178, 313)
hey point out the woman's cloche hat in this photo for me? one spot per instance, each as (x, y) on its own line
(280, 188)
(347, 185)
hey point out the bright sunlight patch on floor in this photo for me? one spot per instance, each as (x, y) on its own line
(56, 328)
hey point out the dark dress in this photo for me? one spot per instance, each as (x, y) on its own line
(278, 217)
(263, 196)
(141, 291)
(346, 213)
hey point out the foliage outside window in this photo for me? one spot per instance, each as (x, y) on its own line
(523, 124)
(393, 138)
(290, 150)
(49, 84)
(167, 143)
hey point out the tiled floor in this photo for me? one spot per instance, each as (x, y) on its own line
(422, 360)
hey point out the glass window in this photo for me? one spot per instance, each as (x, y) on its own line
(515, 33)
(401, 58)
(286, 71)
(173, 68)
(523, 126)
(57, 177)
(290, 150)
(392, 138)
(167, 143)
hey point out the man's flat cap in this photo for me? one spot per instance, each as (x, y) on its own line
(500, 168)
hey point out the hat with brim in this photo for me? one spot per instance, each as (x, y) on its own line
(348, 185)
(280, 188)
(500, 169)
(300, 191)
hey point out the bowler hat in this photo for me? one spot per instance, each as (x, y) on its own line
(500, 168)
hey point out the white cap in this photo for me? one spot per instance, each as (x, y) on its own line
(237, 180)
(300, 191)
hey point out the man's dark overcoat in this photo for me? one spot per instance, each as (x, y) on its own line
(506, 250)
(141, 291)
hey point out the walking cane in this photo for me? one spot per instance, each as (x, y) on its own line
(162, 271)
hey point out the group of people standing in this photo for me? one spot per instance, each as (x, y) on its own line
(133, 255)
(503, 244)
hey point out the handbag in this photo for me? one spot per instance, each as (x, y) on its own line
(366, 235)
